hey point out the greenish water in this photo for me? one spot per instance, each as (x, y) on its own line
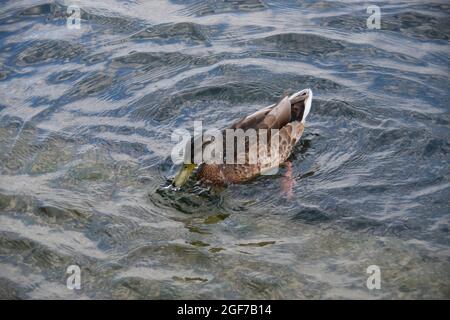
(86, 118)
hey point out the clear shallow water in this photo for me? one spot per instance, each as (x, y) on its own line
(85, 123)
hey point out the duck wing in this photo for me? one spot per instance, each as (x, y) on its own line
(272, 117)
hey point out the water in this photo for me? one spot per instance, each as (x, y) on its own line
(86, 118)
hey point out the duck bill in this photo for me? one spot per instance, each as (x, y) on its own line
(306, 95)
(183, 175)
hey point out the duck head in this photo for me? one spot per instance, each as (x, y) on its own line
(183, 175)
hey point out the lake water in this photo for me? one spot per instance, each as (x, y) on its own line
(86, 117)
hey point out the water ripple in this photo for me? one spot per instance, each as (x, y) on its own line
(86, 117)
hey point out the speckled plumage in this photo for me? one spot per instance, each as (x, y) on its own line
(288, 116)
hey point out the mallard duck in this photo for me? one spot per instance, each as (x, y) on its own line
(286, 118)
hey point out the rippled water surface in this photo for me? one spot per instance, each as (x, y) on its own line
(86, 118)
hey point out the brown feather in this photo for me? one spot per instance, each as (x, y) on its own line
(285, 116)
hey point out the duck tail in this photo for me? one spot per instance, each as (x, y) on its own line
(301, 105)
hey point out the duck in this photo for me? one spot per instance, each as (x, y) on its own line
(283, 124)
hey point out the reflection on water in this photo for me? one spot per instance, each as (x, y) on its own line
(86, 118)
